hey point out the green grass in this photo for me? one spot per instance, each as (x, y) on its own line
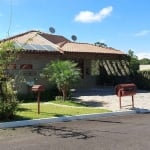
(47, 110)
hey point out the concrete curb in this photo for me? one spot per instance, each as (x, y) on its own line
(61, 119)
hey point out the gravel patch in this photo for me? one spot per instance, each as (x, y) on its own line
(106, 98)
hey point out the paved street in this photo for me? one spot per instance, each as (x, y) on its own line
(113, 133)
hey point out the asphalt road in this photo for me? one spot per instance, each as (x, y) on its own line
(112, 133)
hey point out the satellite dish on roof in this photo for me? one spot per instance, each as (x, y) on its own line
(52, 30)
(74, 37)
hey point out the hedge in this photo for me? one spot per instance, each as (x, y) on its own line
(142, 79)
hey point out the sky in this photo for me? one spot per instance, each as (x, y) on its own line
(121, 24)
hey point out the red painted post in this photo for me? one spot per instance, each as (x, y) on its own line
(125, 90)
(38, 101)
(120, 101)
(38, 89)
(132, 101)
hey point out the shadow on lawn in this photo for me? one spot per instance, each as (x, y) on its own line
(23, 109)
(50, 114)
(17, 117)
(20, 118)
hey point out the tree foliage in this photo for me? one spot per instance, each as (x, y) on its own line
(144, 61)
(63, 73)
(8, 103)
(100, 44)
(133, 62)
(8, 54)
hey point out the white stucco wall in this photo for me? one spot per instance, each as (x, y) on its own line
(144, 67)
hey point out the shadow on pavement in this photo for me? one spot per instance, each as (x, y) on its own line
(92, 103)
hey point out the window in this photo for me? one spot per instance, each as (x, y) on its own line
(12, 66)
(26, 66)
(80, 63)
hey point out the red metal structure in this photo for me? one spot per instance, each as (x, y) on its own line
(38, 89)
(125, 90)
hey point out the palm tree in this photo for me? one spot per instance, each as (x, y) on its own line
(63, 73)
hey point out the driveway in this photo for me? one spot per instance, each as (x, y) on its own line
(105, 98)
(111, 133)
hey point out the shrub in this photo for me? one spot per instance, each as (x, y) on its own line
(48, 94)
(8, 109)
(63, 73)
(58, 98)
(8, 102)
(26, 97)
(142, 79)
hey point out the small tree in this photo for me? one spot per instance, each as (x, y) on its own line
(63, 73)
(8, 103)
(133, 62)
(144, 61)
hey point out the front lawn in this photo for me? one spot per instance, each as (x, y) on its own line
(47, 110)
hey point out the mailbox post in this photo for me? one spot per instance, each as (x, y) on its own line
(126, 90)
(38, 89)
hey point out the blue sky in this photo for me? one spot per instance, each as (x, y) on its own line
(121, 24)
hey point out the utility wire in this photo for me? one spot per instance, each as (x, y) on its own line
(10, 18)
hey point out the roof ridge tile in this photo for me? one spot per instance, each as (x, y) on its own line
(18, 35)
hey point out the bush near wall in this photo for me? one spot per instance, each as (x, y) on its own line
(142, 79)
(49, 94)
(8, 110)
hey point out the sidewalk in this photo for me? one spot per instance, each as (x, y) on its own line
(105, 98)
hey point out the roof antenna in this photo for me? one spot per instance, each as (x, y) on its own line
(52, 30)
(74, 37)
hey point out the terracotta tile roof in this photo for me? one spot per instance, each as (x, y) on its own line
(58, 43)
(56, 39)
(88, 48)
(32, 40)
(32, 37)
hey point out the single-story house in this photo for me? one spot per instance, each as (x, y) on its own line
(40, 48)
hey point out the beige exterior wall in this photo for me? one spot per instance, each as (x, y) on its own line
(144, 67)
(88, 81)
(32, 76)
(25, 78)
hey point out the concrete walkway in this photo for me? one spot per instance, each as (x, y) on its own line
(105, 98)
